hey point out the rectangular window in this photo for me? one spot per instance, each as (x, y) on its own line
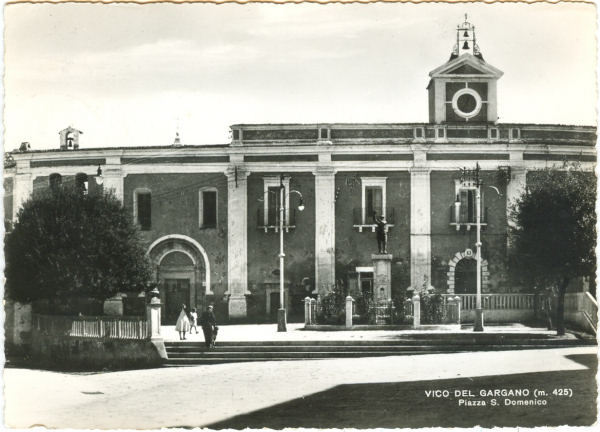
(515, 133)
(468, 206)
(419, 132)
(236, 134)
(493, 133)
(209, 209)
(440, 133)
(324, 133)
(273, 206)
(373, 202)
(144, 210)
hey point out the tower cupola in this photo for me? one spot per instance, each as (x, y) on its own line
(464, 88)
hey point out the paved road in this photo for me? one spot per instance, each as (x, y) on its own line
(214, 395)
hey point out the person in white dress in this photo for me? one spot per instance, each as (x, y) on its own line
(183, 323)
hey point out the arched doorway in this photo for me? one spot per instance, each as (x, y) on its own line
(462, 273)
(182, 272)
(465, 276)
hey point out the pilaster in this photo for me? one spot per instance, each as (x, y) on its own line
(324, 229)
(237, 240)
(113, 177)
(420, 229)
(23, 186)
(514, 189)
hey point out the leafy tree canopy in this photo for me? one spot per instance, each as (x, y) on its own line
(554, 237)
(66, 243)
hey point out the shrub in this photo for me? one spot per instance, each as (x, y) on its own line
(433, 308)
(333, 307)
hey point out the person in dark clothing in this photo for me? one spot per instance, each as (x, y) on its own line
(209, 326)
(381, 233)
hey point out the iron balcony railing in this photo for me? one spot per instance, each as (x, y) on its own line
(466, 216)
(364, 216)
(270, 220)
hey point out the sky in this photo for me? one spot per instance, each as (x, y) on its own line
(133, 75)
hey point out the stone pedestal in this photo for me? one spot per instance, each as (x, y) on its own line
(153, 318)
(382, 276)
(113, 305)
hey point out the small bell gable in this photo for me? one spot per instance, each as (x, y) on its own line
(69, 138)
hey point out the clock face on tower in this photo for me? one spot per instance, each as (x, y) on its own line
(466, 103)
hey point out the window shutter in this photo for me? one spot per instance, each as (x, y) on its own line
(273, 206)
(145, 211)
(209, 209)
(464, 206)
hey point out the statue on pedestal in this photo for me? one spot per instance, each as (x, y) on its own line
(381, 233)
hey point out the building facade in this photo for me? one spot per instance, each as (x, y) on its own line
(209, 215)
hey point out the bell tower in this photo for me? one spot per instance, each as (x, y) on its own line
(465, 41)
(464, 88)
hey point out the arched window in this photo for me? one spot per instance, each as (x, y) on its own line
(55, 180)
(81, 182)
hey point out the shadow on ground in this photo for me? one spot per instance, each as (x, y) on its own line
(405, 405)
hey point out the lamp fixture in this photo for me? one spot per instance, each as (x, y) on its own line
(99, 178)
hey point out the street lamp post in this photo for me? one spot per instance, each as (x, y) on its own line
(281, 312)
(281, 315)
(473, 178)
(478, 327)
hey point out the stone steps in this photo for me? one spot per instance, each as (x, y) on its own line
(189, 353)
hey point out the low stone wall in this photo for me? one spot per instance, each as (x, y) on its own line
(95, 353)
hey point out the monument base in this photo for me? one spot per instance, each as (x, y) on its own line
(382, 276)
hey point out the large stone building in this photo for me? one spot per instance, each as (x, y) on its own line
(209, 214)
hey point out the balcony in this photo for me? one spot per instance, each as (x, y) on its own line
(271, 221)
(364, 221)
(466, 217)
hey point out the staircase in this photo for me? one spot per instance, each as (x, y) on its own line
(194, 353)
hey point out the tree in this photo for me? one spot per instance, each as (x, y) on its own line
(554, 237)
(67, 243)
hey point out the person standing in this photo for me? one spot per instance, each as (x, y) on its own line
(183, 323)
(209, 325)
(381, 230)
(193, 320)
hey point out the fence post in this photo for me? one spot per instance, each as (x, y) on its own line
(349, 301)
(307, 311)
(458, 305)
(313, 311)
(416, 310)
